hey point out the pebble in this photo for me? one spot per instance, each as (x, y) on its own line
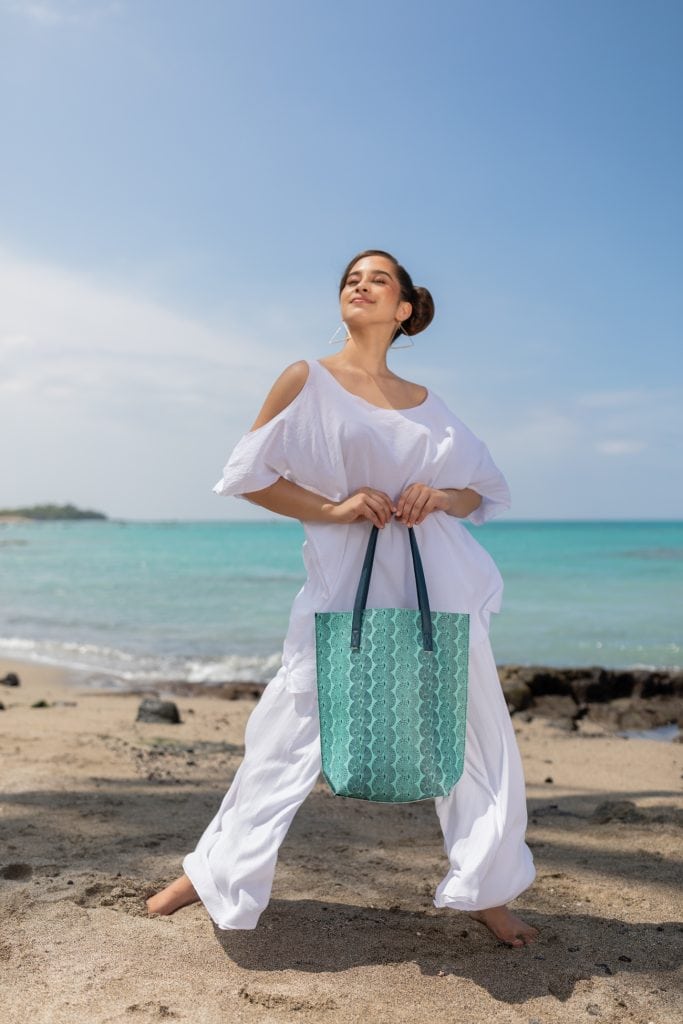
(153, 710)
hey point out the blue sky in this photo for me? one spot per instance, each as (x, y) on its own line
(182, 184)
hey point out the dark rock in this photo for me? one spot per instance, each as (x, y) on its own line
(2, 706)
(153, 710)
(517, 695)
(11, 679)
(638, 713)
(16, 871)
(616, 699)
(616, 810)
(40, 704)
(555, 706)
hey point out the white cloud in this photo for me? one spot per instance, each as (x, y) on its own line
(620, 447)
(66, 337)
(115, 401)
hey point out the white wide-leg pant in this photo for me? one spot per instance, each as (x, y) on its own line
(483, 818)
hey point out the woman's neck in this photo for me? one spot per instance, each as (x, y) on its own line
(366, 351)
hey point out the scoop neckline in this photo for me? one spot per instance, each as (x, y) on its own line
(380, 408)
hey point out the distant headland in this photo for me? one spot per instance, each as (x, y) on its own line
(47, 512)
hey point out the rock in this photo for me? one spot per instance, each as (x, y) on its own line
(40, 704)
(16, 871)
(616, 810)
(614, 699)
(517, 695)
(11, 679)
(153, 710)
(2, 706)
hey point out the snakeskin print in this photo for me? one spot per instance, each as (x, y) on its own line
(392, 716)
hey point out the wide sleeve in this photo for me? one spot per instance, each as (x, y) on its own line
(298, 444)
(462, 460)
(257, 460)
(488, 481)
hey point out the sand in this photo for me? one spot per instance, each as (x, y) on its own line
(98, 811)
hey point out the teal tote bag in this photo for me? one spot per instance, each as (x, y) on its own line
(392, 694)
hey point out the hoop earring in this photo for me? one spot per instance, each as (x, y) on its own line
(411, 343)
(334, 340)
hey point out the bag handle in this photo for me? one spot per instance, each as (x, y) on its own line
(364, 586)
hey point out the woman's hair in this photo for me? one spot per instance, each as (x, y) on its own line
(419, 298)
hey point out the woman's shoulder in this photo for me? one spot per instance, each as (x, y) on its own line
(286, 388)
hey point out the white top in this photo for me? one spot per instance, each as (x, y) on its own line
(331, 441)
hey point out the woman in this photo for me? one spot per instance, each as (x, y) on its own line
(342, 442)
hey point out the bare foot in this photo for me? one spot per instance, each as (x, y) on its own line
(506, 926)
(176, 895)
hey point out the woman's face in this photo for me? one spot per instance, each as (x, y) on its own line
(372, 294)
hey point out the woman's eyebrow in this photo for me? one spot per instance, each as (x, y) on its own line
(356, 273)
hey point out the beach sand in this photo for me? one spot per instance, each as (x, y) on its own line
(98, 811)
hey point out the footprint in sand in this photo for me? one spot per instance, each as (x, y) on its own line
(127, 895)
(274, 1000)
(159, 1010)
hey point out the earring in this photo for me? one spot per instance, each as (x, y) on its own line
(411, 343)
(334, 340)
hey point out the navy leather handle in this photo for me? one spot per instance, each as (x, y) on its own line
(364, 586)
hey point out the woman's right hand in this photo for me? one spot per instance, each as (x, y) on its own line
(365, 503)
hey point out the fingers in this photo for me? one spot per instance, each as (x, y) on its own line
(379, 507)
(415, 504)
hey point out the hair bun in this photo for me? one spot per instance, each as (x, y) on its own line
(423, 311)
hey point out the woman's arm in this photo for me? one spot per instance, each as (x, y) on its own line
(462, 502)
(289, 499)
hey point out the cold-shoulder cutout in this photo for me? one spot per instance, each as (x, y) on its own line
(283, 392)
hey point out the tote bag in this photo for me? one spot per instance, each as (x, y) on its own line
(392, 694)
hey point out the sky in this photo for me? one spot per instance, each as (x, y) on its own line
(182, 183)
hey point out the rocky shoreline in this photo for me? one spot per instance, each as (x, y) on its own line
(573, 698)
(615, 699)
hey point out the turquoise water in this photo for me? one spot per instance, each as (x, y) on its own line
(210, 601)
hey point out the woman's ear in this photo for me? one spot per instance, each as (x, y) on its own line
(404, 311)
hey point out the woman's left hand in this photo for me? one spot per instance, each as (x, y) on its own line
(418, 500)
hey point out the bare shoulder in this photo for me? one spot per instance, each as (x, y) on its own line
(283, 392)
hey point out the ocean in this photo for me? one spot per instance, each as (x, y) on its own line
(139, 602)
